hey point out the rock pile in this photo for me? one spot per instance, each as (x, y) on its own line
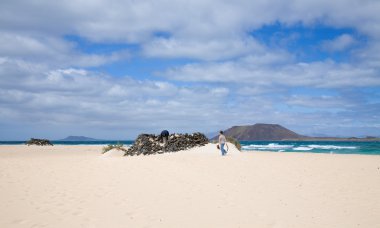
(152, 144)
(39, 142)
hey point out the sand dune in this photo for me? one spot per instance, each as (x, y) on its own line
(76, 186)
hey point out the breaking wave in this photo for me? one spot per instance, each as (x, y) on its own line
(294, 147)
(270, 146)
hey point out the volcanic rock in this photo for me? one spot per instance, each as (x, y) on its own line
(39, 142)
(152, 144)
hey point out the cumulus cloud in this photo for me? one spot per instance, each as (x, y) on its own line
(53, 51)
(206, 30)
(138, 21)
(340, 43)
(77, 96)
(325, 74)
(204, 50)
(234, 79)
(319, 102)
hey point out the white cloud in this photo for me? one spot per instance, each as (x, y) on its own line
(340, 43)
(52, 51)
(189, 23)
(320, 102)
(204, 50)
(237, 80)
(203, 30)
(326, 74)
(370, 55)
(54, 101)
(71, 96)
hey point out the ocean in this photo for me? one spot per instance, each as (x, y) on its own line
(61, 142)
(330, 147)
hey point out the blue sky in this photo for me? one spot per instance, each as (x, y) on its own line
(114, 69)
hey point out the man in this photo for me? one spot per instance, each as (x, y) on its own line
(222, 141)
(165, 136)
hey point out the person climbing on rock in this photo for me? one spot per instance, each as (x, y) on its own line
(165, 137)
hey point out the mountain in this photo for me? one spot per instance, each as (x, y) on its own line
(211, 134)
(78, 138)
(261, 132)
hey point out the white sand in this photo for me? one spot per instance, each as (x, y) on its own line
(75, 186)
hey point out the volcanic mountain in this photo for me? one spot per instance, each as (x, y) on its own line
(261, 132)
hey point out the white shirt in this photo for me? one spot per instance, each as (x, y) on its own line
(222, 139)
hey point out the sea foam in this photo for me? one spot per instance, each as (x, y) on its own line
(270, 146)
(291, 147)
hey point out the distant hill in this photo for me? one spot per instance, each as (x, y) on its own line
(275, 132)
(261, 132)
(78, 138)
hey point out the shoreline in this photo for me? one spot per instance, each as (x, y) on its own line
(97, 149)
(100, 146)
(245, 148)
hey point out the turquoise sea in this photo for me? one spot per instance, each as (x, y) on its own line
(331, 147)
(264, 146)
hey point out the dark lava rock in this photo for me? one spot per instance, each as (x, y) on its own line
(152, 144)
(39, 142)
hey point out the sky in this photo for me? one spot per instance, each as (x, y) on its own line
(112, 69)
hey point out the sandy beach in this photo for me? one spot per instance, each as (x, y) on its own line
(77, 186)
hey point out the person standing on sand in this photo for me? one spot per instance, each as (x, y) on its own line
(222, 141)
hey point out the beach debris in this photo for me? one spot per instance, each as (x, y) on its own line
(146, 144)
(118, 146)
(39, 142)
